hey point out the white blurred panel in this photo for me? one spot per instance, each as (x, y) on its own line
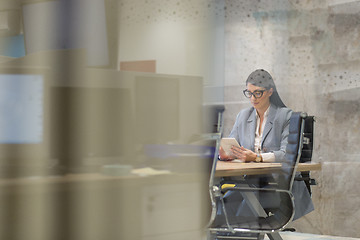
(21, 108)
(67, 25)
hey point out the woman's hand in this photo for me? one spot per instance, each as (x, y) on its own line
(243, 154)
(224, 156)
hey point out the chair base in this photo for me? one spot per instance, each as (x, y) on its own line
(239, 236)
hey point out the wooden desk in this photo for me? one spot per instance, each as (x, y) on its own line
(233, 168)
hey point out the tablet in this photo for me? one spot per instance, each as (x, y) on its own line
(227, 143)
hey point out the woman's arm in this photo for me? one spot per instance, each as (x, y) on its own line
(234, 134)
(280, 154)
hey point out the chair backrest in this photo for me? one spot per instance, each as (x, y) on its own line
(285, 179)
(293, 150)
(307, 150)
(308, 142)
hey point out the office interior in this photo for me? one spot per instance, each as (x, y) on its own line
(106, 102)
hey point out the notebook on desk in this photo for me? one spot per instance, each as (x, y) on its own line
(227, 143)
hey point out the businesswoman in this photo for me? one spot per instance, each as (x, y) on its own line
(262, 131)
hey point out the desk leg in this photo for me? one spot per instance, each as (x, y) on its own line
(274, 236)
(255, 206)
(253, 203)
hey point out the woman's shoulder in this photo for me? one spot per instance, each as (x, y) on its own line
(245, 112)
(284, 112)
(243, 115)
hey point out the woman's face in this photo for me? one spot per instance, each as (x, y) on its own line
(259, 103)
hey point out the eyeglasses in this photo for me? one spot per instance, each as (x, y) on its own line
(256, 93)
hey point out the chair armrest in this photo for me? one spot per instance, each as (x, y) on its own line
(311, 181)
(255, 189)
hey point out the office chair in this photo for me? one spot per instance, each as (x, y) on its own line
(306, 153)
(267, 221)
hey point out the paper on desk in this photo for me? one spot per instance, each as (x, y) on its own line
(238, 161)
(148, 171)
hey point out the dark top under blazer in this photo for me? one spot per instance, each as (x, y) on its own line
(275, 133)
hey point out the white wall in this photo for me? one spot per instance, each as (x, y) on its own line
(185, 38)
